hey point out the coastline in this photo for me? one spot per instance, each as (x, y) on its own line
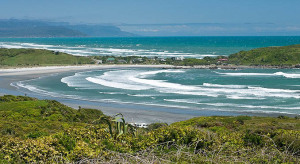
(231, 67)
(4, 71)
(60, 69)
(132, 112)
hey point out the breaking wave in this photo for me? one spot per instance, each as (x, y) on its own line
(287, 75)
(168, 88)
(83, 50)
(137, 80)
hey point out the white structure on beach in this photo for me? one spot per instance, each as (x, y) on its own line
(139, 125)
(180, 58)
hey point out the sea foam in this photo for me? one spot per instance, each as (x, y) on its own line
(83, 50)
(287, 75)
(138, 80)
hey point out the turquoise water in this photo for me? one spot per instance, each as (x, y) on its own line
(196, 47)
(241, 91)
(247, 91)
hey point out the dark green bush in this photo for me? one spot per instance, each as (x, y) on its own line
(36, 134)
(252, 138)
(154, 126)
(66, 141)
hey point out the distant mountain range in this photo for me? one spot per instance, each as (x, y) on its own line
(13, 28)
(212, 29)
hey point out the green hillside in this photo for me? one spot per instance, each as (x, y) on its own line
(269, 56)
(45, 131)
(275, 56)
(38, 57)
(286, 56)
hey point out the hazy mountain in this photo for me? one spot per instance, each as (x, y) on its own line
(32, 28)
(100, 30)
(27, 28)
(212, 29)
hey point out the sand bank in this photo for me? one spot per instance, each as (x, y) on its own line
(59, 69)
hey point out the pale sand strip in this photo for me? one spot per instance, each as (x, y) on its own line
(58, 69)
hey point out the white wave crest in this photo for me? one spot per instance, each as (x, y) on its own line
(116, 84)
(42, 91)
(137, 80)
(232, 105)
(161, 71)
(130, 80)
(246, 74)
(223, 86)
(140, 95)
(287, 75)
(83, 50)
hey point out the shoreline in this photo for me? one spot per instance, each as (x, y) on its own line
(233, 67)
(132, 112)
(58, 69)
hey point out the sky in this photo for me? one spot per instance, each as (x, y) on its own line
(154, 11)
(281, 13)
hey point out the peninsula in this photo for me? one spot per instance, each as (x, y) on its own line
(269, 57)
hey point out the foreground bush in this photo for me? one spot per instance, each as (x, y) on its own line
(56, 133)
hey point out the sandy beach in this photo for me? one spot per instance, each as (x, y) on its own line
(134, 114)
(59, 69)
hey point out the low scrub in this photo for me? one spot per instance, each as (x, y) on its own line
(45, 131)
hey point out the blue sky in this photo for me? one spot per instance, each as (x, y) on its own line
(155, 11)
(236, 17)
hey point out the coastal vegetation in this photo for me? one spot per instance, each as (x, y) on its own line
(38, 57)
(45, 131)
(285, 56)
(273, 56)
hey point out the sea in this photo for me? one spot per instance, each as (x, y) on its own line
(182, 91)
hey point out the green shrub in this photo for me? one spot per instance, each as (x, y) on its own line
(66, 141)
(252, 138)
(36, 134)
(60, 134)
(11, 98)
(154, 126)
(282, 117)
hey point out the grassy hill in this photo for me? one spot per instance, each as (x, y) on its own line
(38, 57)
(269, 56)
(286, 56)
(275, 56)
(33, 130)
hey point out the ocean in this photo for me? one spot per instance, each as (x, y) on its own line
(244, 91)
